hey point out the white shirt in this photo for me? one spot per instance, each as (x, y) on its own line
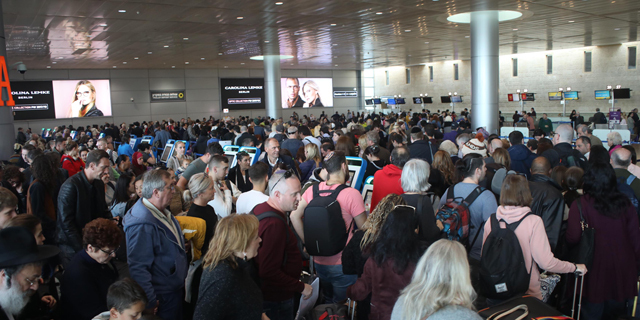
(248, 200)
(222, 204)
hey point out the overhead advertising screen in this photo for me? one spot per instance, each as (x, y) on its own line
(307, 92)
(555, 96)
(571, 95)
(242, 93)
(61, 99)
(417, 100)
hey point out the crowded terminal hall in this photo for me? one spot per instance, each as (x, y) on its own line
(193, 174)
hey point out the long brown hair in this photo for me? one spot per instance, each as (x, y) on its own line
(233, 234)
(442, 161)
(376, 219)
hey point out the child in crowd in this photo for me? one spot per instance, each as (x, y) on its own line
(183, 166)
(126, 300)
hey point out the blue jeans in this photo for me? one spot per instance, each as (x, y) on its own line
(333, 282)
(282, 310)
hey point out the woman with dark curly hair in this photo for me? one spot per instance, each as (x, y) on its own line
(13, 179)
(42, 196)
(90, 273)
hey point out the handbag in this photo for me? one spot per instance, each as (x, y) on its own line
(583, 252)
(548, 282)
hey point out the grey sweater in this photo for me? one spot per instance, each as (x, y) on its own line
(451, 312)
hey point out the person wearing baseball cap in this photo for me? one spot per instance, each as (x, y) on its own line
(21, 262)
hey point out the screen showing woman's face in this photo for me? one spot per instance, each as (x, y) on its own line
(84, 94)
(310, 94)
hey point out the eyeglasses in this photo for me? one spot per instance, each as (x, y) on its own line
(84, 93)
(110, 252)
(171, 187)
(286, 175)
(34, 281)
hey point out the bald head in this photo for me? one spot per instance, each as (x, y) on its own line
(565, 133)
(541, 166)
(495, 144)
(621, 158)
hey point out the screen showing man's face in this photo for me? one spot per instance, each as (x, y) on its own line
(293, 88)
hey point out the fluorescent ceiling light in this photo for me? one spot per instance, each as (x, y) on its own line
(282, 57)
(503, 15)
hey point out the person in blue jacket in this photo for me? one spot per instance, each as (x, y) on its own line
(155, 246)
(125, 148)
(521, 156)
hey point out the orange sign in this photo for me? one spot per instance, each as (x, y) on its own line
(5, 84)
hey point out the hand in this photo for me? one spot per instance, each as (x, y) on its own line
(154, 310)
(264, 317)
(223, 186)
(75, 108)
(308, 290)
(49, 300)
(581, 269)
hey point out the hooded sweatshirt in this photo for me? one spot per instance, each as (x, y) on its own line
(386, 181)
(534, 243)
(521, 159)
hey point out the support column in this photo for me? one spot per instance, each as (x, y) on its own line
(484, 70)
(7, 130)
(272, 77)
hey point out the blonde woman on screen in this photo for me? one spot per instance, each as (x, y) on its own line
(84, 101)
(311, 96)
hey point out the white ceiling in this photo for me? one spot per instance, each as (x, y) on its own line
(92, 34)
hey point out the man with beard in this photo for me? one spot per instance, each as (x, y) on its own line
(21, 262)
(293, 100)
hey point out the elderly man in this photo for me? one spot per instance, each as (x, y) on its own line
(155, 246)
(494, 144)
(584, 131)
(583, 144)
(21, 261)
(293, 142)
(620, 161)
(563, 153)
(275, 160)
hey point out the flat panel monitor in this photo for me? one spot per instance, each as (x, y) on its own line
(571, 95)
(352, 173)
(132, 143)
(400, 101)
(42, 132)
(367, 200)
(445, 99)
(147, 140)
(242, 93)
(528, 97)
(603, 94)
(555, 96)
(377, 101)
(101, 135)
(417, 100)
(73, 134)
(230, 157)
(456, 99)
(47, 133)
(296, 93)
(166, 152)
(368, 102)
(622, 93)
(427, 99)
(391, 101)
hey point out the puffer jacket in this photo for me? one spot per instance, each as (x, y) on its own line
(79, 202)
(521, 159)
(548, 203)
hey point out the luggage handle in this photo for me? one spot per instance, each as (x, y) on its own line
(503, 313)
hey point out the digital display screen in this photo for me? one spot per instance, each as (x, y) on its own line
(242, 93)
(350, 181)
(368, 102)
(427, 99)
(367, 200)
(230, 157)
(555, 96)
(456, 99)
(528, 97)
(417, 100)
(166, 152)
(622, 93)
(391, 101)
(73, 134)
(571, 95)
(603, 94)
(377, 101)
(47, 133)
(400, 101)
(306, 92)
(445, 99)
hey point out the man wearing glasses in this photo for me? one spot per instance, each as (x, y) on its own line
(21, 262)
(155, 246)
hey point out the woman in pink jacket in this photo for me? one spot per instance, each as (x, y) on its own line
(515, 199)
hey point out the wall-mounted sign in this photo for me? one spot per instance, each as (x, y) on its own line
(167, 95)
(345, 92)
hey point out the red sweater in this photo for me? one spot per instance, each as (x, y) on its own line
(278, 282)
(386, 181)
(71, 165)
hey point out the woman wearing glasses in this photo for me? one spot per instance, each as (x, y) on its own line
(84, 101)
(392, 262)
(86, 280)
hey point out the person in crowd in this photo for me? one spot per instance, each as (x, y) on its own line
(583, 144)
(226, 192)
(147, 156)
(451, 149)
(415, 183)
(103, 145)
(548, 201)
(13, 180)
(201, 191)
(620, 161)
(293, 142)
(179, 154)
(123, 165)
(421, 148)
(521, 156)
(345, 145)
(530, 122)
(374, 163)
(199, 165)
(572, 184)
(373, 139)
(610, 285)
(138, 166)
(440, 287)
(228, 289)
(83, 152)
(515, 202)
(278, 133)
(614, 140)
(238, 174)
(21, 261)
(42, 196)
(442, 162)
(124, 147)
(273, 157)
(24, 162)
(126, 300)
(71, 159)
(244, 134)
(312, 161)
(31, 223)
(394, 256)
(545, 125)
(387, 180)
(307, 137)
(584, 131)
(329, 269)
(8, 205)
(81, 199)
(87, 278)
(259, 176)
(473, 170)
(279, 259)
(161, 134)
(599, 117)
(155, 246)
(58, 146)
(125, 189)
(562, 152)
(21, 138)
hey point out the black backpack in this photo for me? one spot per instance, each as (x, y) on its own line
(325, 233)
(503, 273)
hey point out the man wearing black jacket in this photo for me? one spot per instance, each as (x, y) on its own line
(548, 202)
(81, 199)
(563, 153)
(420, 148)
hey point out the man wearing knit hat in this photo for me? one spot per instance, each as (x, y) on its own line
(475, 145)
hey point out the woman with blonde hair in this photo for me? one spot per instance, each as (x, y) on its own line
(179, 154)
(310, 91)
(201, 191)
(84, 101)
(440, 287)
(227, 287)
(313, 159)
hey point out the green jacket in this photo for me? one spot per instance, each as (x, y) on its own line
(545, 125)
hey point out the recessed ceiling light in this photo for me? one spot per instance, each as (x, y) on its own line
(219, 53)
(185, 39)
(166, 46)
(426, 42)
(241, 48)
(266, 41)
(279, 3)
(48, 67)
(173, 67)
(135, 58)
(515, 29)
(186, 62)
(335, 65)
(226, 67)
(282, 57)
(571, 21)
(239, 18)
(114, 67)
(392, 48)
(124, 62)
(149, 52)
(122, 11)
(54, 62)
(335, 44)
(201, 58)
(379, 12)
(467, 37)
(60, 57)
(242, 63)
(102, 25)
(617, 29)
(503, 15)
(333, 24)
(407, 30)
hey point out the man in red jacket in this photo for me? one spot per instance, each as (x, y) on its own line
(279, 260)
(387, 180)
